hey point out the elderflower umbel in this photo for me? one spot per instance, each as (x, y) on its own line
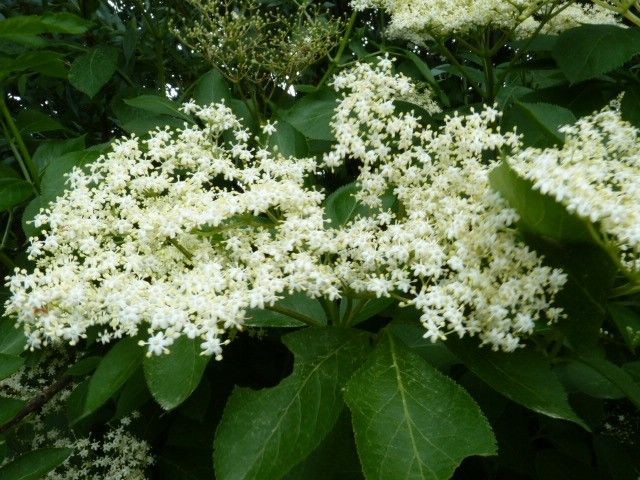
(442, 239)
(178, 234)
(416, 20)
(115, 455)
(595, 175)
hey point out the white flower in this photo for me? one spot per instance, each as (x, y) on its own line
(416, 20)
(269, 128)
(595, 175)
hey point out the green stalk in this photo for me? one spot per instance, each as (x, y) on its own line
(295, 315)
(343, 44)
(27, 163)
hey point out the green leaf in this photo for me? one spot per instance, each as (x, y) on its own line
(12, 339)
(32, 121)
(158, 105)
(273, 429)
(14, 191)
(9, 408)
(35, 464)
(9, 364)
(590, 273)
(133, 396)
(211, 88)
(524, 376)
(312, 115)
(46, 62)
(335, 459)
(406, 327)
(21, 25)
(577, 377)
(539, 123)
(591, 50)
(113, 371)
(298, 303)
(616, 375)
(65, 22)
(539, 213)
(288, 140)
(364, 309)
(52, 150)
(92, 70)
(84, 367)
(172, 378)
(410, 420)
(341, 206)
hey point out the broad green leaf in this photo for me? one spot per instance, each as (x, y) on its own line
(158, 105)
(34, 464)
(363, 309)
(133, 396)
(84, 367)
(12, 339)
(297, 303)
(65, 22)
(14, 191)
(211, 88)
(577, 377)
(264, 433)
(590, 275)
(590, 50)
(32, 121)
(288, 140)
(52, 150)
(9, 364)
(341, 206)
(410, 420)
(407, 328)
(524, 376)
(92, 70)
(21, 25)
(539, 123)
(335, 459)
(616, 375)
(173, 377)
(46, 62)
(142, 126)
(9, 408)
(312, 115)
(113, 371)
(539, 213)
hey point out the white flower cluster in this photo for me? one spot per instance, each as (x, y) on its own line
(179, 234)
(116, 455)
(416, 20)
(447, 245)
(596, 175)
(183, 233)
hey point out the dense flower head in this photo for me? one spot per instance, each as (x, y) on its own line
(183, 233)
(444, 240)
(595, 175)
(416, 20)
(179, 234)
